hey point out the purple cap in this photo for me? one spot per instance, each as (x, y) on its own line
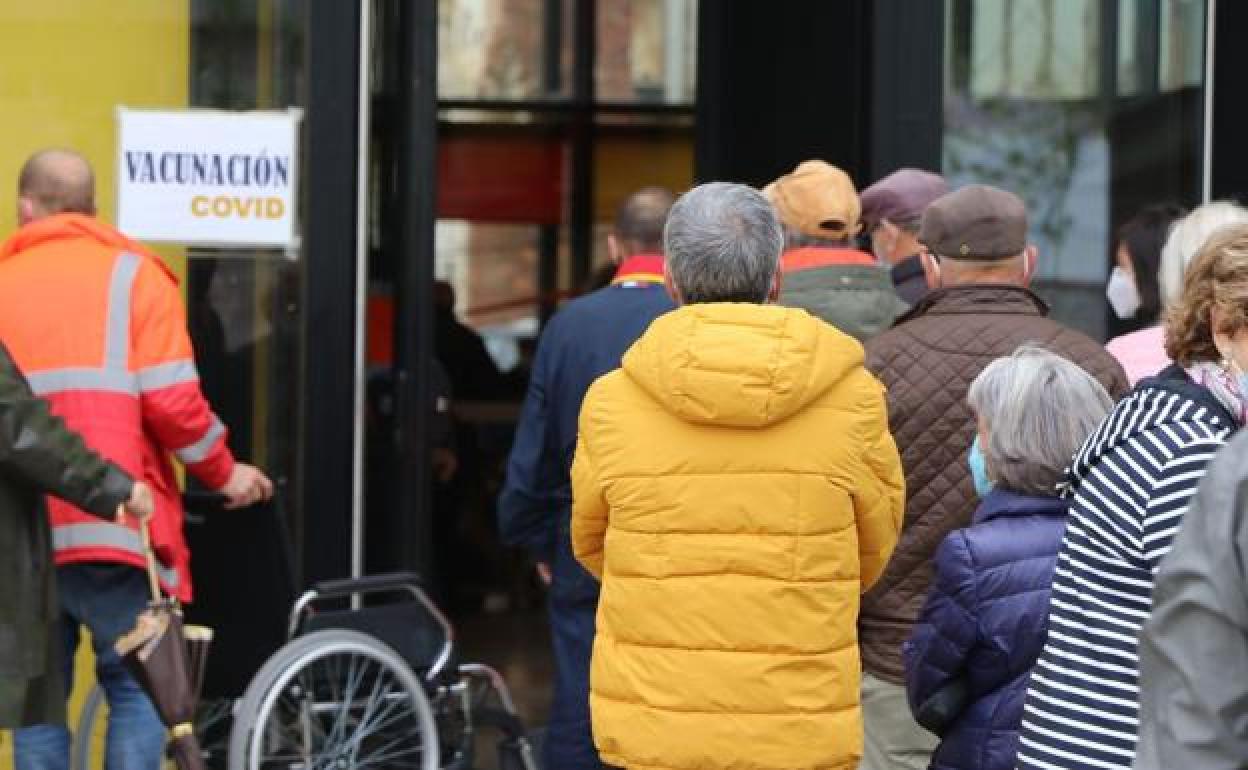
(901, 197)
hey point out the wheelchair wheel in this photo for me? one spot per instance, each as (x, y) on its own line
(92, 724)
(334, 699)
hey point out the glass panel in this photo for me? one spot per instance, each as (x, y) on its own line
(249, 56)
(501, 176)
(504, 49)
(626, 161)
(1026, 124)
(1035, 49)
(1024, 111)
(1182, 44)
(647, 51)
(244, 320)
(494, 269)
(1130, 76)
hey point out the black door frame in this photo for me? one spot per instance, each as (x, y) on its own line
(416, 197)
(325, 497)
(856, 82)
(327, 413)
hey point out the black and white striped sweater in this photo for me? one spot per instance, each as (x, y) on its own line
(1129, 485)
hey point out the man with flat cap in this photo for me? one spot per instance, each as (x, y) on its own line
(978, 264)
(891, 211)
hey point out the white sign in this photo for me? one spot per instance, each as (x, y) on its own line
(207, 177)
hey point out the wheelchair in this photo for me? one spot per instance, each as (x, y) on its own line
(372, 686)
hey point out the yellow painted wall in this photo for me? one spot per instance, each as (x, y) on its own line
(65, 66)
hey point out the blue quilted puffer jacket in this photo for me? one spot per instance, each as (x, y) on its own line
(982, 629)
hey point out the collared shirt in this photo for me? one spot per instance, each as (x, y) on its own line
(639, 270)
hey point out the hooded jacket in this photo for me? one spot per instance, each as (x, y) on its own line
(845, 287)
(1129, 486)
(96, 323)
(983, 626)
(736, 489)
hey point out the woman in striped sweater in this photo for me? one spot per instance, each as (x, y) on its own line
(1129, 486)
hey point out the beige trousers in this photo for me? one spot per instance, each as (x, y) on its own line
(892, 740)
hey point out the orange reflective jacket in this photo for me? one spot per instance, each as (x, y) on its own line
(97, 324)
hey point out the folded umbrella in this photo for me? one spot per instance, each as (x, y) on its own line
(155, 652)
(198, 642)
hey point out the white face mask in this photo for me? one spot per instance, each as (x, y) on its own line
(1122, 294)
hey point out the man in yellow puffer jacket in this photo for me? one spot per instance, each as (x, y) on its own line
(735, 489)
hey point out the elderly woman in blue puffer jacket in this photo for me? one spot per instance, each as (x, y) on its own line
(984, 624)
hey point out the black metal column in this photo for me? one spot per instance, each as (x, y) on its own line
(417, 126)
(1230, 61)
(548, 272)
(779, 83)
(323, 531)
(906, 97)
(548, 234)
(581, 182)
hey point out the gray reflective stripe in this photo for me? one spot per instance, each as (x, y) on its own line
(52, 381)
(197, 452)
(117, 341)
(167, 375)
(114, 376)
(104, 535)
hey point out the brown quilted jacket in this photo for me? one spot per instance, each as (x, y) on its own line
(927, 361)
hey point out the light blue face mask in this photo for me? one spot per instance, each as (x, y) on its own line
(979, 470)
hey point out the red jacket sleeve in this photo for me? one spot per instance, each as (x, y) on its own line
(175, 411)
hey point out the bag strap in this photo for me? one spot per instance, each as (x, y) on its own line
(152, 580)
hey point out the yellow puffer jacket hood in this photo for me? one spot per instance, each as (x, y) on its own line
(736, 489)
(737, 365)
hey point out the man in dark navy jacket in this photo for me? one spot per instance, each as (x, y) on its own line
(582, 342)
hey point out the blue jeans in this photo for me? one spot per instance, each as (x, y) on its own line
(106, 598)
(569, 736)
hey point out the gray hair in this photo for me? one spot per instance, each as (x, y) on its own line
(1186, 238)
(1039, 408)
(723, 244)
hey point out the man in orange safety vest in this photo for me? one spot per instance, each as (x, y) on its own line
(97, 323)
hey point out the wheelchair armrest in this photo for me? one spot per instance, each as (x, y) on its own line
(391, 581)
